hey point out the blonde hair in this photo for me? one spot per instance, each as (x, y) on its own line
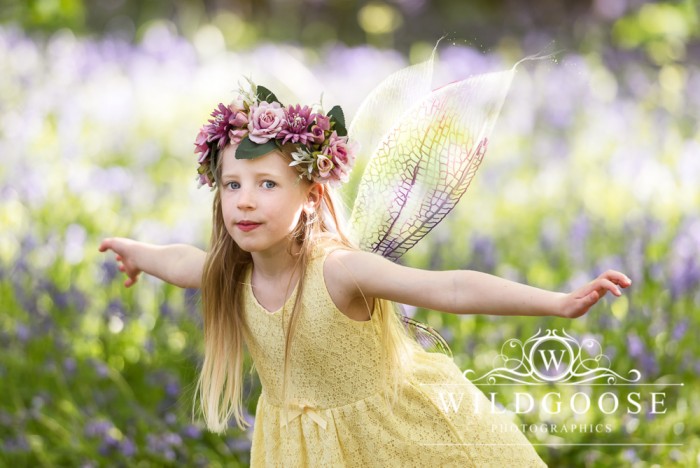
(220, 384)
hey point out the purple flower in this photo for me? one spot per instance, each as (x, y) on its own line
(100, 368)
(69, 365)
(218, 127)
(201, 145)
(204, 180)
(109, 271)
(680, 329)
(172, 388)
(634, 345)
(164, 444)
(22, 333)
(18, 444)
(238, 444)
(266, 120)
(127, 447)
(192, 432)
(98, 428)
(298, 120)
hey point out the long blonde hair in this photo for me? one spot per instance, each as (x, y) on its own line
(220, 383)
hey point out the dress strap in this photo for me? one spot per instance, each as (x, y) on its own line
(325, 246)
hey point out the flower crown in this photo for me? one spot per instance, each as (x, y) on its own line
(258, 124)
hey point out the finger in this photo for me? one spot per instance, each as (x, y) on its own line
(122, 268)
(606, 284)
(625, 282)
(591, 298)
(131, 281)
(119, 258)
(617, 278)
(104, 245)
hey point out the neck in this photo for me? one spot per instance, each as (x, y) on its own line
(276, 263)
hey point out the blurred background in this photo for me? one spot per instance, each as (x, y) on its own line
(593, 164)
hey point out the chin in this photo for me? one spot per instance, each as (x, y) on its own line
(247, 247)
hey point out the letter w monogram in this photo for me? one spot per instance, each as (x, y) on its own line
(552, 358)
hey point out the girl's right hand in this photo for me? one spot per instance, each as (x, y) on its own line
(578, 302)
(126, 256)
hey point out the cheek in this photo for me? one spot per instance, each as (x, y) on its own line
(289, 213)
(226, 209)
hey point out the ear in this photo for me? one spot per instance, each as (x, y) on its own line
(314, 195)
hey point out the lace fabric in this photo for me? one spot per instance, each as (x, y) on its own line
(338, 413)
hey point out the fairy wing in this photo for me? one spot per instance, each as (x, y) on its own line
(425, 148)
(422, 166)
(385, 105)
(426, 336)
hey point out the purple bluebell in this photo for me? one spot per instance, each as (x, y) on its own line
(191, 431)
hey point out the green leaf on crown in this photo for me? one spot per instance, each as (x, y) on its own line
(337, 115)
(249, 150)
(266, 95)
(213, 153)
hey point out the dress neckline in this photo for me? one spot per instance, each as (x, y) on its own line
(255, 299)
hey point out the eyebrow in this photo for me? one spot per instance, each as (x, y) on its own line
(257, 174)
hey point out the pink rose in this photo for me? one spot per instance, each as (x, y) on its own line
(266, 120)
(325, 166)
(204, 180)
(322, 121)
(239, 122)
(337, 149)
(237, 135)
(317, 134)
(239, 119)
(341, 155)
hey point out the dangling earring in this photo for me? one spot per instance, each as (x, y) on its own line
(299, 232)
(311, 219)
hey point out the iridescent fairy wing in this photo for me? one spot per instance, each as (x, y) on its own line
(385, 105)
(424, 164)
(426, 336)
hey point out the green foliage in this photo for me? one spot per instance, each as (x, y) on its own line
(336, 113)
(249, 150)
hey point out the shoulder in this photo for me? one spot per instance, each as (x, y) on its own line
(338, 278)
(348, 270)
(363, 274)
(343, 281)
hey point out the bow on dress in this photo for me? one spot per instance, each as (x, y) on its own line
(297, 409)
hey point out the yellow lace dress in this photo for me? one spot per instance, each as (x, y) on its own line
(339, 417)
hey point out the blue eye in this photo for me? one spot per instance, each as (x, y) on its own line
(268, 184)
(233, 185)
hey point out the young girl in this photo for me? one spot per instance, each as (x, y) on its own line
(343, 383)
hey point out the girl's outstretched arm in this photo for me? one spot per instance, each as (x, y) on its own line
(177, 264)
(462, 291)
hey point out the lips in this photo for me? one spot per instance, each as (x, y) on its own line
(247, 225)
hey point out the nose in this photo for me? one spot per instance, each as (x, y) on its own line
(246, 199)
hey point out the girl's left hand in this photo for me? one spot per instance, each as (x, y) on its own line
(577, 303)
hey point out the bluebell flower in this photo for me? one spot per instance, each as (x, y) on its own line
(191, 431)
(127, 447)
(680, 329)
